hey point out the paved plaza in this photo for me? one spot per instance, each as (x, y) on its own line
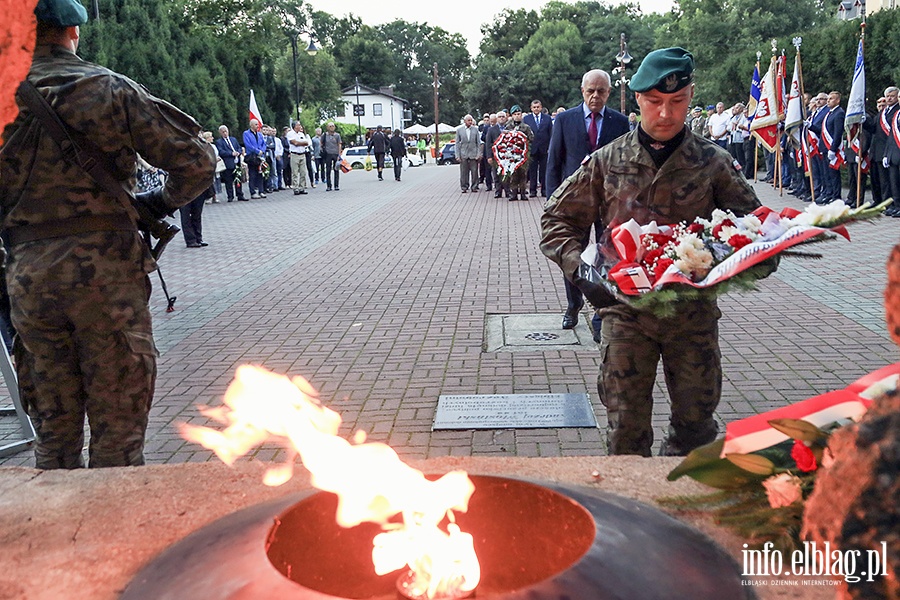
(379, 294)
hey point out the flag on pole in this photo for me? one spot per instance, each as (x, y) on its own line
(793, 121)
(856, 104)
(765, 122)
(754, 94)
(254, 109)
(780, 76)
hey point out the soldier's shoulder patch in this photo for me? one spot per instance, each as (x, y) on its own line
(736, 165)
(585, 160)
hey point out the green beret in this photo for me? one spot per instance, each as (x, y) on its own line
(62, 13)
(667, 71)
(515, 108)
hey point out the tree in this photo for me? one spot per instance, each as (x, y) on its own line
(551, 61)
(509, 32)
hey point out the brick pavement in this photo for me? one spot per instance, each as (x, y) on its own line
(378, 295)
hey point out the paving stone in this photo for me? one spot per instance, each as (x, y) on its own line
(382, 301)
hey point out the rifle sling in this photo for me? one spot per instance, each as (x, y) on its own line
(90, 158)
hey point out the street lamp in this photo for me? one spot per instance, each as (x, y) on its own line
(311, 50)
(623, 58)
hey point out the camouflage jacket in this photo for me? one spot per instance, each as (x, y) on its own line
(39, 186)
(620, 182)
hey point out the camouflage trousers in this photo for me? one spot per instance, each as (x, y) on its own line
(688, 343)
(519, 179)
(86, 352)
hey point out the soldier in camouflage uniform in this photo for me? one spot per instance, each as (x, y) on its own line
(77, 266)
(517, 181)
(660, 171)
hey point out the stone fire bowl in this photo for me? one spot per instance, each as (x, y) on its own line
(85, 534)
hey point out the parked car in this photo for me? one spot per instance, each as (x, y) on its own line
(414, 159)
(448, 154)
(356, 156)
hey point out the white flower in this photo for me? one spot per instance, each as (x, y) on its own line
(727, 231)
(782, 489)
(751, 223)
(719, 215)
(692, 256)
(822, 215)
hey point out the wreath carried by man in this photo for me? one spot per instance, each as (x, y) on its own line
(510, 152)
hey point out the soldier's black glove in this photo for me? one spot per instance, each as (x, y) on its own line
(587, 279)
(150, 205)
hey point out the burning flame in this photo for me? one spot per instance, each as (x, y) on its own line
(370, 480)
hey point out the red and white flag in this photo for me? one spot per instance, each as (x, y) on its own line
(765, 122)
(793, 121)
(254, 109)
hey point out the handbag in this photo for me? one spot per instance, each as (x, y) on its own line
(344, 166)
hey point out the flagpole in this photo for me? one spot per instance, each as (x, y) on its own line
(777, 179)
(862, 45)
(812, 187)
(756, 142)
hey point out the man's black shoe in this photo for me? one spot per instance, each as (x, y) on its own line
(570, 319)
(204, 244)
(488, 188)
(193, 246)
(532, 194)
(498, 193)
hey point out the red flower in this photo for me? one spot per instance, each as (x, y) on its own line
(718, 228)
(661, 239)
(662, 264)
(803, 456)
(652, 255)
(738, 241)
(695, 228)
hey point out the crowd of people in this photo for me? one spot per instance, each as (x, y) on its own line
(815, 158)
(78, 265)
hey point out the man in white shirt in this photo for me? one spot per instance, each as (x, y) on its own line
(300, 144)
(718, 125)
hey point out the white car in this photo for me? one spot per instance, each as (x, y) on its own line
(414, 159)
(356, 156)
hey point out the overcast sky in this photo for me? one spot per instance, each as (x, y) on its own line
(455, 16)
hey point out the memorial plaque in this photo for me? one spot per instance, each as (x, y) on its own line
(514, 411)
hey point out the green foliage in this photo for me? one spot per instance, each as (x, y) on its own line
(206, 55)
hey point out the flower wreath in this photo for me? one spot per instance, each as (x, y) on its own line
(511, 151)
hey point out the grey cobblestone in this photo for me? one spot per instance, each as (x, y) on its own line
(378, 295)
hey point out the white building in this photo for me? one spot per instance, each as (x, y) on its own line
(375, 107)
(851, 9)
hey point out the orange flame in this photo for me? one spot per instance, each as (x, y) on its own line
(370, 480)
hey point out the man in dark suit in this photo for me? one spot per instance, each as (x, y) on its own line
(542, 126)
(889, 125)
(228, 148)
(576, 134)
(490, 136)
(833, 138)
(817, 164)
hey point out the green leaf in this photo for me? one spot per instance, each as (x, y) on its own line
(798, 429)
(704, 464)
(752, 463)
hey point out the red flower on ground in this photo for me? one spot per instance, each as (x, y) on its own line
(738, 241)
(804, 457)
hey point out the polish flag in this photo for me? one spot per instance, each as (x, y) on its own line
(254, 109)
(754, 433)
